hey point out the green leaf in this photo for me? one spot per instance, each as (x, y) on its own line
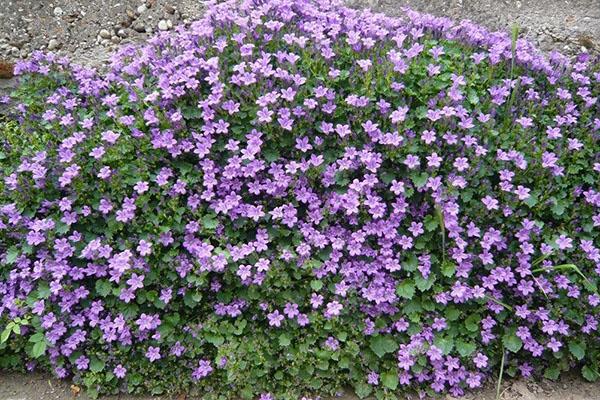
(511, 341)
(424, 284)
(431, 223)
(6, 333)
(96, 365)
(38, 337)
(552, 373)
(465, 348)
(411, 263)
(11, 255)
(362, 390)
(103, 287)
(444, 343)
(387, 177)
(419, 180)
(381, 345)
(406, 289)
(39, 349)
(532, 200)
(390, 380)
(43, 290)
(448, 269)
(472, 322)
(271, 155)
(316, 285)
(577, 349)
(472, 97)
(215, 340)
(558, 208)
(452, 313)
(284, 340)
(62, 228)
(209, 221)
(589, 373)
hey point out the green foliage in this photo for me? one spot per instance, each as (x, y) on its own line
(397, 305)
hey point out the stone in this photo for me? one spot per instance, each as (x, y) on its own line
(163, 25)
(139, 27)
(58, 12)
(53, 44)
(104, 34)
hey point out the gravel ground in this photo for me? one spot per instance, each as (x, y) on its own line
(43, 387)
(570, 26)
(87, 30)
(90, 30)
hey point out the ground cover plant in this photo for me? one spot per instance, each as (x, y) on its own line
(291, 197)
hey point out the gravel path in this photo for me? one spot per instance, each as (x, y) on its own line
(42, 387)
(90, 30)
(87, 30)
(570, 26)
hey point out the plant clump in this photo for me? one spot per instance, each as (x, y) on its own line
(289, 197)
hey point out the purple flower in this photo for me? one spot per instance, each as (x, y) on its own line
(480, 360)
(412, 161)
(563, 242)
(333, 309)
(332, 343)
(82, 363)
(275, 318)
(373, 378)
(399, 115)
(144, 248)
(153, 353)
(141, 187)
(120, 371)
(203, 370)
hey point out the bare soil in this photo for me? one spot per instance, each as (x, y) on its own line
(90, 30)
(37, 386)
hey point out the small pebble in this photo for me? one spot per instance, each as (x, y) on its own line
(58, 12)
(104, 34)
(141, 9)
(53, 44)
(139, 27)
(163, 25)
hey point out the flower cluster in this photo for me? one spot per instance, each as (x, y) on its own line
(287, 197)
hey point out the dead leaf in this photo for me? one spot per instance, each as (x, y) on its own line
(6, 70)
(75, 390)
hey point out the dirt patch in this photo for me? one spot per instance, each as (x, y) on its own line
(570, 26)
(87, 30)
(36, 386)
(90, 30)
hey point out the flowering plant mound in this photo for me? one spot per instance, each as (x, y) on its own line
(289, 197)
